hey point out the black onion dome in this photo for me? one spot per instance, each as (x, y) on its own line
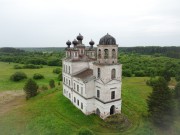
(68, 43)
(107, 40)
(91, 42)
(79, 37)
(75, 42)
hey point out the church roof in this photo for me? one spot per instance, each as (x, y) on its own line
(84, 75)
(107, 40)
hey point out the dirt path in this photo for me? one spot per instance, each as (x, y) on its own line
(10, 100)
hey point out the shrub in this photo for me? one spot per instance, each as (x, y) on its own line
(52, 83)
(17, 67)
(60, 77)
(85, 131)
(57, 70)
(38, 76)
(54, 62)
(177, 77)
(44, 87)
(31, 66)
(30, 88)
(127, 73)
(139, 73)
(18, 76)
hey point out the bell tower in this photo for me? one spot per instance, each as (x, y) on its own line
(107, 64)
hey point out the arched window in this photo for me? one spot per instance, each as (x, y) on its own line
(99, 73)
(113, 73)
(78, 88)
(113, 53)
(106, 53)
(99, 54)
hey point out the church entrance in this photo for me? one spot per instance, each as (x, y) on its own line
(112, 110)
(98, 112)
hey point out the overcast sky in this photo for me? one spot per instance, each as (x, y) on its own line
(50, 23)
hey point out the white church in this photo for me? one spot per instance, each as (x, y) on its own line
(92, 77)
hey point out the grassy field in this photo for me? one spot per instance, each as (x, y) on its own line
(50, 113)
(6, 70)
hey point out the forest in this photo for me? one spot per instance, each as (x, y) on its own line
(137, 61)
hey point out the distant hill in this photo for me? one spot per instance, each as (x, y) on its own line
(10, 50)
(170, 51)
(44, 49)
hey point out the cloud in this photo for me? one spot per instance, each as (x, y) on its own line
(47, 23)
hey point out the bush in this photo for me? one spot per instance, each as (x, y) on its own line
(60, 77)
(152, 81)
(52, 83)
(177, 77)
(17, 67)
(57, 70)
(30, 88)
(44, 87)
(54, 62)
(85, 131)
(18, 76)
(38, 76)
(127, 73)
(139, 73)
(31, 66)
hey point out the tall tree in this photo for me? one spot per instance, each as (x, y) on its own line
(177, 90)
(160, 104)
(30, 88)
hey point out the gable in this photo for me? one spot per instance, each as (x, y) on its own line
(113, 82)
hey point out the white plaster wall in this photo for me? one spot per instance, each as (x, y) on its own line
(89, 89)
(105, 108)
(106, 72)
(79, 66)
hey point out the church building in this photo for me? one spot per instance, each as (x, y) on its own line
(92, 77)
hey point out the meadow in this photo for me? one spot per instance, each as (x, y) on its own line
(7, 69)
(50, 113)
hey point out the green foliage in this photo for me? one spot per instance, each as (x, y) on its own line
(152, 81)
(37, 76)
(54, 62)
(32, 66)
(52, 83)
(166, 75)
(177, 90)
(171, 51)
(177, 77)
(85, 131)
(30, 88)
(57, 70)
(160, 104)
(139, 73)
(127, 72)
(17, 76)
(27, 66)
(44, 87)
(17, 67)
(60, 76)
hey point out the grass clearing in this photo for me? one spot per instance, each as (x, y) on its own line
(50, 113)
(6, 70)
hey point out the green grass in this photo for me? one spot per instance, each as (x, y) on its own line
(6, 70)
(50, 113)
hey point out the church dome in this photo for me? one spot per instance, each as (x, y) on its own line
(75, 42)
(79, 37)
(107, 40)
(68, 43)
(91, 42)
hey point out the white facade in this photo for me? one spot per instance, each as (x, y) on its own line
(92, 77)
